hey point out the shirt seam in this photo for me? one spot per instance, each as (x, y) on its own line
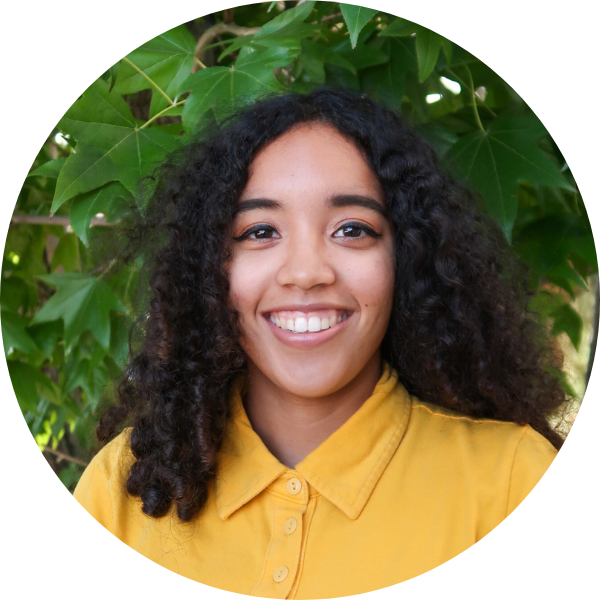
(264, 569)
(456, 417)
(296, 583)
(512, 467)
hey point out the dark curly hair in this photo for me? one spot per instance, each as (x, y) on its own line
(460, 335)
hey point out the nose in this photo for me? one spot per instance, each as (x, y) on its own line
(306, 264)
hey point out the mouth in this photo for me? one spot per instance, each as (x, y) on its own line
(306, 330)
(302, 322)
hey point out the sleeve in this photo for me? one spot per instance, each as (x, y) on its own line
(101, 489)
(533, 456)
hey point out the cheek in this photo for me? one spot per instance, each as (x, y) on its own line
(372, 282)
(248, 282)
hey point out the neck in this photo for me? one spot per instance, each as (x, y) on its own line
(292, 426)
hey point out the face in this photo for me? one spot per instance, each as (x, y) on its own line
(312, 266)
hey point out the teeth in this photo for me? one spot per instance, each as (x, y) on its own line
(299, 322)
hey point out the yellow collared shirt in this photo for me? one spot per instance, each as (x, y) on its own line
(400, 488)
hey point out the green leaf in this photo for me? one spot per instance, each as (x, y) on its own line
(356, 18)
(386, 82)
(548, 242)
(110, 146)
(312, 61)
(46, 335)
(428, 44)
(222, 88)
(31, 386)
(107, 200)
(315, 56)
(66, 254)
(567, 320)
(428, 49)
(165, 63)
(83, 302)
(14, 333)
(364, 56)
(50, 169)
(265, 58)
(494, 161)
(399, 28)
(564, 275)
(544, 303)
(119, 339)
(15, 293)
(284, 31)
(287, 24)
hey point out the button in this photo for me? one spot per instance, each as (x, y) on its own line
(280, 574)
(290, 525)
(294, 485)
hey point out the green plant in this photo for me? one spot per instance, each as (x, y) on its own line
(66, 312)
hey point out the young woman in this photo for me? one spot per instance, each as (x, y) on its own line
(340, 386)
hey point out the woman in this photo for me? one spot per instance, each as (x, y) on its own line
(340, 386)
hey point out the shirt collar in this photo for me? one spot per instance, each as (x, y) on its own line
(344, 469)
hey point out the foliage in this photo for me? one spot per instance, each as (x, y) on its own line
(66, 313)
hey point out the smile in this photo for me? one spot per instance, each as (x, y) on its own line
(302, 322)
(308, 339)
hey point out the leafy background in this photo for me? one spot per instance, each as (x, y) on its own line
(66, 309)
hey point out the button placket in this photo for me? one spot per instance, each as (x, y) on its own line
(284, 554)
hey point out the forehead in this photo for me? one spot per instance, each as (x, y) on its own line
(311, 157)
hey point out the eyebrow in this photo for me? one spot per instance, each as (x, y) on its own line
(339, 200)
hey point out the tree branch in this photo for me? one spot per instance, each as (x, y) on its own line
(72, 459)
(56, 220)
(212, 32)
(594, 341)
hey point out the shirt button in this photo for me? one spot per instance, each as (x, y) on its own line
(290, 525)
(294, 485)
(280, 574)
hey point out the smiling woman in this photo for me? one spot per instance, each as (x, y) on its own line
(340, 386)
(312, 269)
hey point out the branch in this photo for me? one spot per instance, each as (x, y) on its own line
(594, 341)
(56, 220)
(72, 459)
(331, 17)
(212, 32)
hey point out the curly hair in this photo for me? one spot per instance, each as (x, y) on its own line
(461, 334)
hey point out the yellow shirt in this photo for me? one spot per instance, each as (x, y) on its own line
(400, 488)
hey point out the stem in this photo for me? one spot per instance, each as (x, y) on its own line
(64, 456)
(594, 341)
(475, 111)
(212, 32)
(56, 220)
(148, 78)
(199, 62)
(162, 112)
(103, 269)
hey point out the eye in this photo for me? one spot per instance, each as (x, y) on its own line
(355, 230)
(265, 232)
(258, 232)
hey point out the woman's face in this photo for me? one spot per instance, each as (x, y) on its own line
(312, 267)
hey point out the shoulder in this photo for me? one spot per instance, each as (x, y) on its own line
(101, 489)
(113, 459)
(486, 449)
(495, 435)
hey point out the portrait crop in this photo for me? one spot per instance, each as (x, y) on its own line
(284, 266)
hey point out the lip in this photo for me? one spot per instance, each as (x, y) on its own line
(308, 339)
